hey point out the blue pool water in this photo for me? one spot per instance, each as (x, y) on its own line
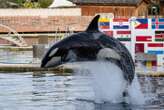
(47, 91)
(8, 56)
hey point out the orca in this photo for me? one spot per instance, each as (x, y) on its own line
(90, 45)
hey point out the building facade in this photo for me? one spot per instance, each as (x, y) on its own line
(121, 8)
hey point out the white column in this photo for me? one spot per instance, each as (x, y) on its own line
(133, 38)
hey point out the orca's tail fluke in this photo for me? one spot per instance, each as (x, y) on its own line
(93, 26)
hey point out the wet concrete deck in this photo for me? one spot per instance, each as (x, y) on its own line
(11, 48)
(36, 67)
(30, 68)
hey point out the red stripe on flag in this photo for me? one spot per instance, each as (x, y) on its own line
(142, 26)
(143, 38)
(120, 20)
(123, 32)
(104, 27)
(158, 36)
(155, 45)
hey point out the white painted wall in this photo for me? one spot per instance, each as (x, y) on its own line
(41, 12)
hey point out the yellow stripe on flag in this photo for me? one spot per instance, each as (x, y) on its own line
(104, 20)
(149, 64)
(135, 23)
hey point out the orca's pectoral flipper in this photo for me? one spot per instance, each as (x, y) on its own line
(93, 26)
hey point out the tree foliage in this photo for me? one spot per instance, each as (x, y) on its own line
(25, 3)
(45, 3)
(20, 2)
(29, 4)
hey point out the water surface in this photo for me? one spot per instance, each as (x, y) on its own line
(14, 57)
(47, 91)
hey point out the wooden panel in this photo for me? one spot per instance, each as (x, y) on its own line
(92, 10)
(118, 11)
(142, 10)
(162, 9)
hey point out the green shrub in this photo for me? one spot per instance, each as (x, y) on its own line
(45, 3)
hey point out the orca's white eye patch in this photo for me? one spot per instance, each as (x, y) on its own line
(108, 53)
(53, 61)
(53, 52)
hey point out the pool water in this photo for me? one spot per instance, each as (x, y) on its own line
(7, 56)
(48, 91)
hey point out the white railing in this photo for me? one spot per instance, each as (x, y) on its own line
(16, 39)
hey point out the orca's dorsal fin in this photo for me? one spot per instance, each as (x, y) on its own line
(93, 26)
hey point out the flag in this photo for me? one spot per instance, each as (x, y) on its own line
(109, 33)
(143, 38)
(155, 45)
(104, 23)
(124, 35)
(155, 52)
(139, 47)
(159, 36)
(155, 48)
(119, 23)
(141, 24)
(157, 23)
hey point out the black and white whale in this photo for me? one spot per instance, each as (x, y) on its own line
(90, 45)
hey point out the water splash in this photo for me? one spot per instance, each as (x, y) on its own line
(149, 95)
(135, 94)
(109, 84)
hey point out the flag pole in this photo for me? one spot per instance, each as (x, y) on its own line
(133, 38)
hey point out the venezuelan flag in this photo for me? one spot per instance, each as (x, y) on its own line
(104, 23)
